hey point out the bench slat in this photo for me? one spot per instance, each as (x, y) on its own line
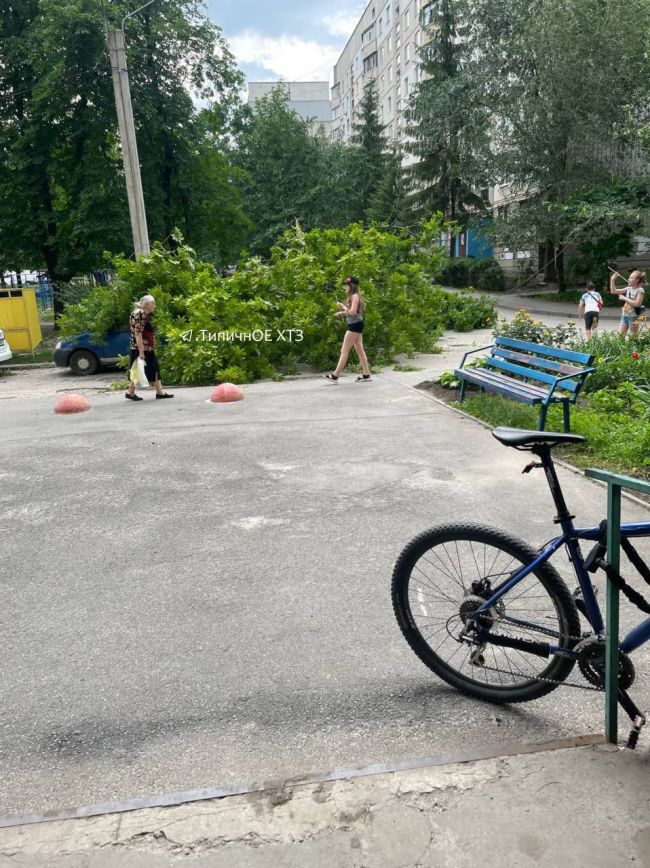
(546, 364)
(504, 390)
(505, 386)
(568, 355)
(541, 376)
(487, 376)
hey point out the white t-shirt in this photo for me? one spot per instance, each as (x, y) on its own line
(590, 300)
(634, 297)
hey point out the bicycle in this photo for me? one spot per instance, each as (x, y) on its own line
(492, 617)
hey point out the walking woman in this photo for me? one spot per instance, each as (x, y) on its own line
(143, 342)
(632, 297)
(353, 311)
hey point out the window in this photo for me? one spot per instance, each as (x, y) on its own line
(389, 75)
(407, 52)
(382, 84)
(390, 105)
(406, 86)
(368, 35)
(389, 47)
(381, 54)
(406, 19)
(417, 38)
(370, 62)
(416, 73)
(388, 13)
(380, 25)
(398, 42)
(426, 15)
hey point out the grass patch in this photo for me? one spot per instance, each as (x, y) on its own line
(618, 442)
(407, 368)
(37, 357)
(573, 296)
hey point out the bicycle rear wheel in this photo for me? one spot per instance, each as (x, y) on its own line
(447, 572)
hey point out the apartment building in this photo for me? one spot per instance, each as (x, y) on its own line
(384, 47)
(309, 99)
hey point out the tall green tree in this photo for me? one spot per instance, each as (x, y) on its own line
(288, 173)
(368, 137)
(447, 119)
(391, 204)
(558, 75)
(61, 183)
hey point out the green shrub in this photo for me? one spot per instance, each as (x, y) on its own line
(293, 294)
(523, 327)
(487, 275)
(456, 272)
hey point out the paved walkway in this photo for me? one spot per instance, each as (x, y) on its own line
(570, 808)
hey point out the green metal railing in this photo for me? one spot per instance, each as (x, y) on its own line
(615, 483)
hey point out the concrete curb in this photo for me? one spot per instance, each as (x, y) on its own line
(165, 800)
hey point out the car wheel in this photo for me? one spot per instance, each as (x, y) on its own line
(84, 362)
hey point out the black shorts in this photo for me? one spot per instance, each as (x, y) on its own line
(151, 366)
(355, 327)
(591, 317)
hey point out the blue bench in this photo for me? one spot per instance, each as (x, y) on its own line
(557, 375)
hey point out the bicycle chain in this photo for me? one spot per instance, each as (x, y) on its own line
(539, 677)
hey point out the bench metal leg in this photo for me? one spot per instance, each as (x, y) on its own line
(462, 390)
(542, 417)
(567, 416)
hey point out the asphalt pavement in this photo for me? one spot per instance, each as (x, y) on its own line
(198, 595)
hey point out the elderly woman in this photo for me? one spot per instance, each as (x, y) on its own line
(142, 346)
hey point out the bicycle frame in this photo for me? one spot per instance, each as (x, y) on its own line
(570, 537)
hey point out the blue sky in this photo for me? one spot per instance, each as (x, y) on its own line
(286, 39)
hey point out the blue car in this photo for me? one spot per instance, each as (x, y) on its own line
(84, 356)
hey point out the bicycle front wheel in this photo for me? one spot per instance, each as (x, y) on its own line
(445, 574)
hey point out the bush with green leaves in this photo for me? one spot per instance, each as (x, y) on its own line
(487, 275)
(523, 327)
(293, 296)
(456, 272)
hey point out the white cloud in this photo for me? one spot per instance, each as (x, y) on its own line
(342, 23)
(288, 57)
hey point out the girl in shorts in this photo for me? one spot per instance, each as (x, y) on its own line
(353, 312)
(632, 297)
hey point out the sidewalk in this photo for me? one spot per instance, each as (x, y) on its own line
(570, 807)
(541, 303)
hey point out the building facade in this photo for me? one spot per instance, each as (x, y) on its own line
(309, 99)
(383, 47)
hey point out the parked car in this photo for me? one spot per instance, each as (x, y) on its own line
(84, 356)
(5, 349)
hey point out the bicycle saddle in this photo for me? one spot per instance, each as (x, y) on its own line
(522, 439)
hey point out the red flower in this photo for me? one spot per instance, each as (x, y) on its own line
(636, 356)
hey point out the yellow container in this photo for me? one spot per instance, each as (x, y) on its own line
(19, 319)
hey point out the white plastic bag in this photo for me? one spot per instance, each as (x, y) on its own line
(138, 375)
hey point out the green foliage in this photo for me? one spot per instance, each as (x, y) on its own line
(287, 174)
(487, 275)
(617, 439)
(523, 327)
(368, 136)
(456, 272)
(62, 192)
(618, 361)
(391, 204)
(448, 119)
(296, 290)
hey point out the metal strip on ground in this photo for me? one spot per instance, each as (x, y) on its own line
(210, 793)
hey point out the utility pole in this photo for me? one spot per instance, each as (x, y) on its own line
(116, 49)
